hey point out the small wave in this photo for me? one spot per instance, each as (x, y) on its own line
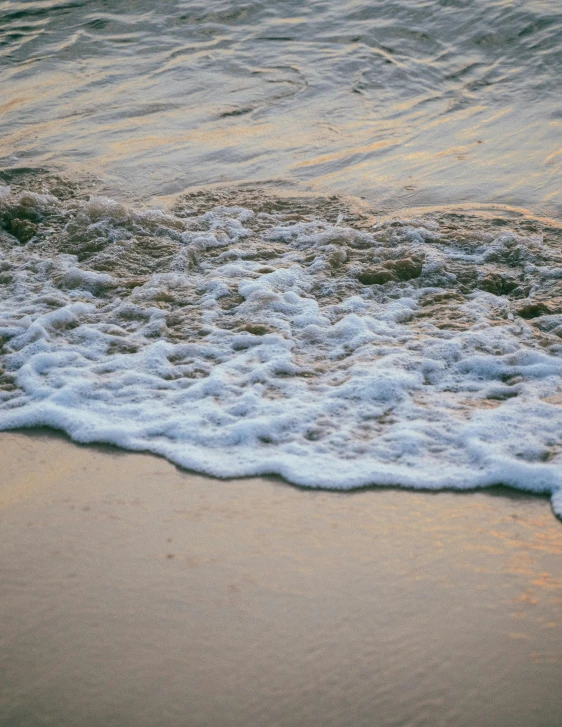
(289, 336)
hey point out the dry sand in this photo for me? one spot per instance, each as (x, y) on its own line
(133, 593)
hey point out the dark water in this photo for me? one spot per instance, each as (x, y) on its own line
(404, 103)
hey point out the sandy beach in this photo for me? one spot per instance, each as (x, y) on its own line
(134, 593)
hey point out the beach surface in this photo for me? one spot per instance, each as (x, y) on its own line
(135, 593)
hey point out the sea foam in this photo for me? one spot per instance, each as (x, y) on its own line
(417, 353)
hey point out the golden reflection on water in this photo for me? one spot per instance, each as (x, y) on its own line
(358, 155)
(307, 96)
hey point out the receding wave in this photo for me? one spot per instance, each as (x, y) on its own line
(243, 333)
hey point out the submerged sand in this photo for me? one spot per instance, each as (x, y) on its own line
(133, 593)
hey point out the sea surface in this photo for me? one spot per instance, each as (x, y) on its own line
(317, 239)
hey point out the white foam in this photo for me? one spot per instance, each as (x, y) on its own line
(334, 393)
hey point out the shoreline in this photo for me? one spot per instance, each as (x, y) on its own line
(505, 491)
(135, 593)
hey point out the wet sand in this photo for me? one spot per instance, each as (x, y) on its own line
(133, 593)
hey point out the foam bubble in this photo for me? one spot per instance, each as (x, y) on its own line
(407, 353)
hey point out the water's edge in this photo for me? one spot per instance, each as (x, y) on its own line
(244, 332)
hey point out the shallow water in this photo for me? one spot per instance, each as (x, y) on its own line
(284, 313)
(401, 102)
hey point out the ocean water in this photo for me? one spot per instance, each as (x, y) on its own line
(318, 239)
